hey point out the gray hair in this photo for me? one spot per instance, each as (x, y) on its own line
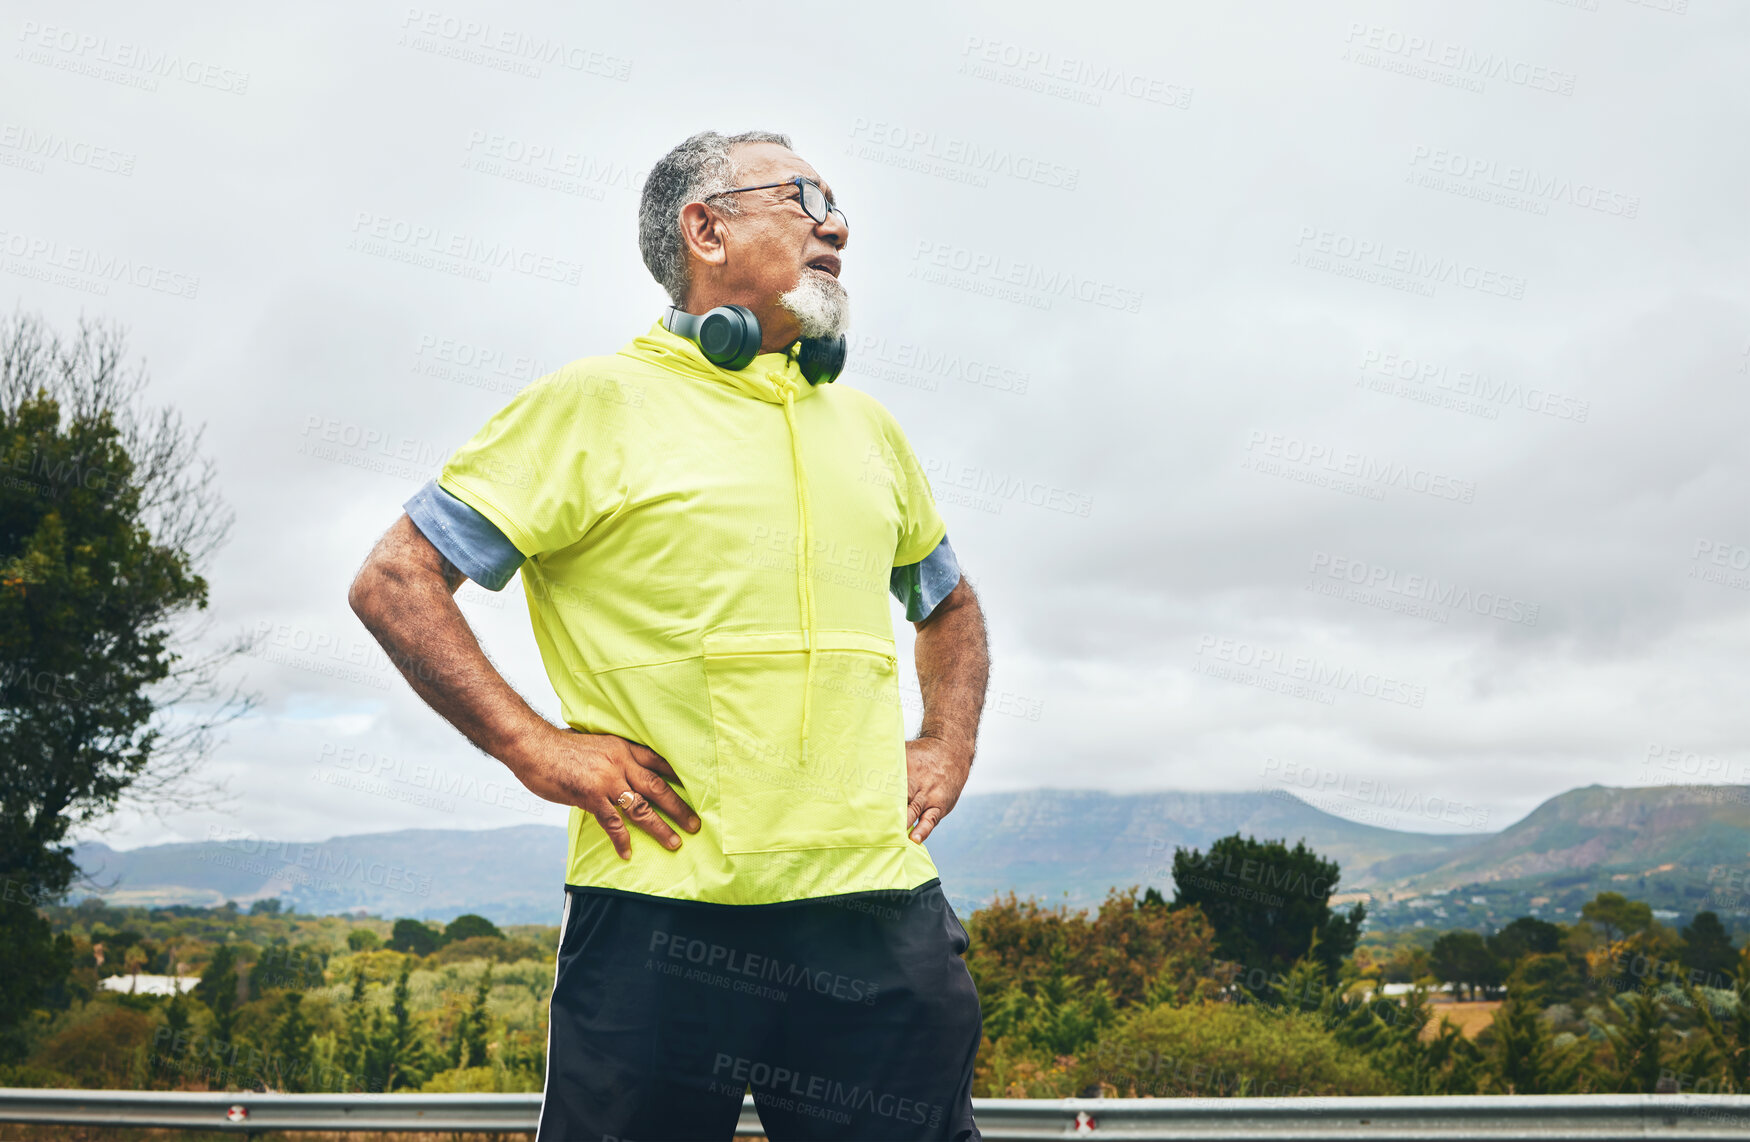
(699, 167)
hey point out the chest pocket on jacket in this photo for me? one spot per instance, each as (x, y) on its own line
(851, 792)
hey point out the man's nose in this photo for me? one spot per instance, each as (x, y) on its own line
(835, 230)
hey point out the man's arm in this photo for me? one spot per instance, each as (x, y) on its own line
(953, 660)
(404, 595)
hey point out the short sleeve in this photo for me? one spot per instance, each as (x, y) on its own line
(921, 586)
(922, 526)
(470, 541)
(525, 469)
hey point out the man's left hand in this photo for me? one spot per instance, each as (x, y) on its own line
(936, 773)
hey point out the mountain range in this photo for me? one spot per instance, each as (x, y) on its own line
(1678, 847)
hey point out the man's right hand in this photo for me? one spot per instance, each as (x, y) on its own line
(405, 596)
(593, 771)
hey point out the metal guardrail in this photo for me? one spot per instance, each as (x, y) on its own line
(1530, 1118)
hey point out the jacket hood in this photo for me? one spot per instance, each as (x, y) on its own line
(767, 377)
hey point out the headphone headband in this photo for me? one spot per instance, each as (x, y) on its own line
(680, 322)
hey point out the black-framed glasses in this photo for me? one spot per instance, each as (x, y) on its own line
(814, 200)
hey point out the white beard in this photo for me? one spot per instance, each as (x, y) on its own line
(819, 303)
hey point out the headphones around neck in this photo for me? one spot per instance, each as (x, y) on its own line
(729, 337)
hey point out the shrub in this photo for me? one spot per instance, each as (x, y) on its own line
(1223, 1050)
(99, 1052)
(31, 1075)
(493, 948)
(1006, 1069)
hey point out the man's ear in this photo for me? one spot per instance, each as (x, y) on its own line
(702, 232)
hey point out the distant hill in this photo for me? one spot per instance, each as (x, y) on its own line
(1662, 844)
(514, 875)
(1071, 845)
(1690, 828)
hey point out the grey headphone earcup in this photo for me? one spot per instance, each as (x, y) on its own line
(822, 359)
(729, 336)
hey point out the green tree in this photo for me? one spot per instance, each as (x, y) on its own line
(37, 962)
(1617, 915)
(1707, 946)
(1447, 1063)
(1407, 964)
(1266, 903)
(1524, 1057)
(467, 926)
(1463, 959)
(1049, 979)
(1550, 979)
(1145, 952)
(107, 511)
(283, 966)
(413, 937)
(363, 1031)
(1526, 936)
(1636, 1032)
(1725, 1065)
(218, 990)
(399, 1045)
(469, 1048)
(1059, 1014)
(1387, 1030)
(287, 1063)
(176, 1017)
(363, 940)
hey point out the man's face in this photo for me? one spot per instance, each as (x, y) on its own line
(778, 258)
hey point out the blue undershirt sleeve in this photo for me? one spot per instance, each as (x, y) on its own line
(465, 537)
(920, 586)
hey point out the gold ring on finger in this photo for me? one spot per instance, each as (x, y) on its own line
(626, 800)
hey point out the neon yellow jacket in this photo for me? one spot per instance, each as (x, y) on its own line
(708, 562)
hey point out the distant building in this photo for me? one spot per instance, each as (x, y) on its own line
(1395, 989)
(150, 984)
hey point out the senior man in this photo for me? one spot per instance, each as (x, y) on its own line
(707, 541)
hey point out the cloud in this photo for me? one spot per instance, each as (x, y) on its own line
(1268, 371)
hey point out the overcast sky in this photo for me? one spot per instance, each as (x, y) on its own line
(1345, 397)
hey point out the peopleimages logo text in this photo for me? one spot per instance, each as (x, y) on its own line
(1315, 671)
(1413, 263)
(465, 248)
(1469, 383)
(1103, 78)
(753, 965)
(1459, 58)
(127, 56)
(100, 265)
(514, 44)
(1524, 180)
(964, 152)
(1026, 275)
(317, 858)
(1376, 791)
(1369, 469)
(1424, 588)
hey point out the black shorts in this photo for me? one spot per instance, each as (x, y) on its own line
(849, 1018)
